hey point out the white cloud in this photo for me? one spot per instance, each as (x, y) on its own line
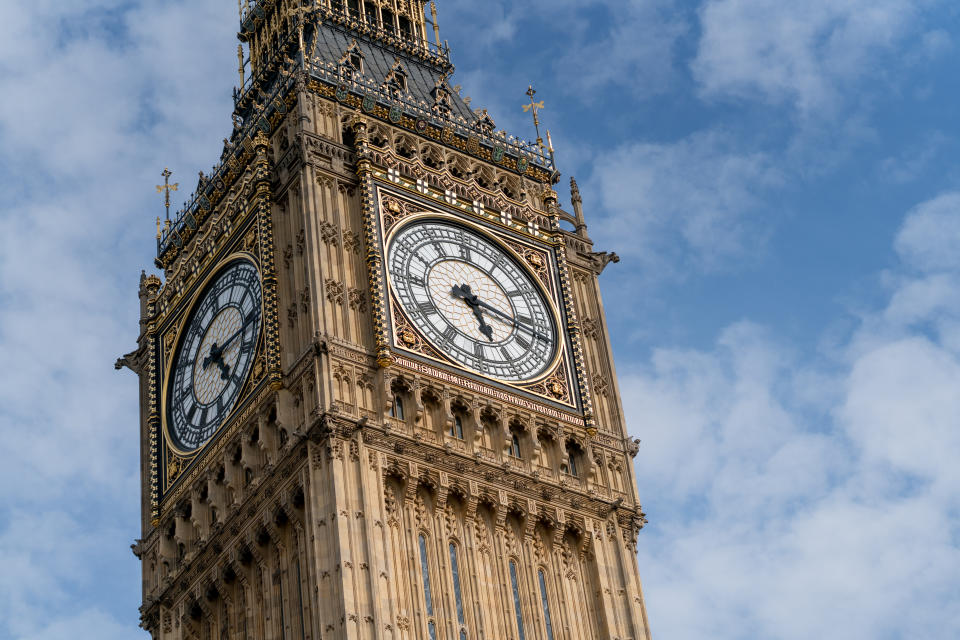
(687, 204)
(806, 53)
(97, 98)
(810, 514)
(931, 235)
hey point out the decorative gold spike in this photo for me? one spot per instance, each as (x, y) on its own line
(535, 107)
(166, 188)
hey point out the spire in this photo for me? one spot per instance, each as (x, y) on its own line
(577, 201)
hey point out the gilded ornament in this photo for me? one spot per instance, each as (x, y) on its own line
(408, 338)
(174, 468)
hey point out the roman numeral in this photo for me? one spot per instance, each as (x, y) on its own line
(523, 343)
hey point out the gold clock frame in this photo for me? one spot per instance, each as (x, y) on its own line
(560, 354)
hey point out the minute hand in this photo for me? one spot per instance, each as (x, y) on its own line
(513, 321)
(250, 318)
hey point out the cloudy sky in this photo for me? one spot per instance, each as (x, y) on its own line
(781, 179)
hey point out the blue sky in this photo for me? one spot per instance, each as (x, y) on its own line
(781, 180)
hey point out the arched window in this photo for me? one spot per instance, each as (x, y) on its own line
(387, 19)
(396, 409)
(428, 598)
(455, 570)
(546, 604)
(514, 581)
(514, 445)
(457, 429)
(573, 460)
(405, 27)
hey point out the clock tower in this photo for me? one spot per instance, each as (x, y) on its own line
(377, 389)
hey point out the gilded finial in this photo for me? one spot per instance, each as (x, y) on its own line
(166, 188)
(535, 107)
(159, 235)
(436, 24)
(553, 159)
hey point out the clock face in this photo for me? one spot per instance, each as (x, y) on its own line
(472, 300)
(214, 356)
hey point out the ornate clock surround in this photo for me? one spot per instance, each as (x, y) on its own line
(400, 202)
(174, 463)
(240, 223)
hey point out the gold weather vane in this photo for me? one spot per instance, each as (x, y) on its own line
(535, 107)
(166, 188)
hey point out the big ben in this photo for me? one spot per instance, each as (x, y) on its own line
(377, 390)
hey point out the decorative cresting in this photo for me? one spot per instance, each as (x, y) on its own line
(374, 255)
(271, 318)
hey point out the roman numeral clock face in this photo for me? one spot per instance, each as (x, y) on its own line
(214, 356)
(472, 300)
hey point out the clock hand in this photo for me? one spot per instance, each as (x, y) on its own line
(485, 329)
(246, 322)
(216, 352)
(475, 302)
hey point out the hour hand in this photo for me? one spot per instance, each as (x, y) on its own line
(474, 303)
(216, 355)
(485, 329)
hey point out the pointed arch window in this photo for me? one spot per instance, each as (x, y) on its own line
(546, 604)
(354, 7)
(396, 408)
(388, 22)
(427, 595)
(458, 596)
(514, 582)
(514, 445)
(396, 80)
(457, 429)
(405, 27)
(573, 460)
